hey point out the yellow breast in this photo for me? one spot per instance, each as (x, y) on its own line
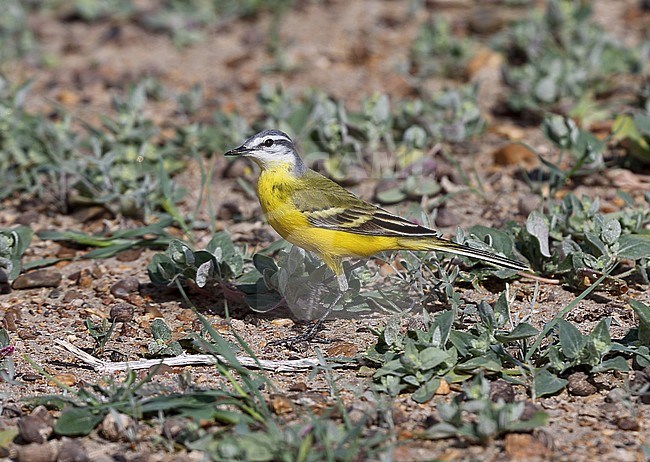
(275, 188)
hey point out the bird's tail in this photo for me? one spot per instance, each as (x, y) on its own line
(444, 245)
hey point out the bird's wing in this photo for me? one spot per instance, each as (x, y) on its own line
(327, 205)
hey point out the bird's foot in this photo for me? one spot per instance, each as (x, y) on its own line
(310, 335)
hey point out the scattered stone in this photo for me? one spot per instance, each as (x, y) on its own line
(485, 21)
(172, 427)
(345, 349)
(71, 295)
(615, 395)
(628, 424)
(54, 293)
(130, 254)
(161, 369)
(483, 59)
(228, 210)
(298, 386)
(87, 214)
(28, 334)
(523, 446)
(515, 154)
(66, 379)
(282, 322)
(10, 320)
(443, 389)
(362, 412)
(447, 218)
(116, 427)
(527, 203)
(82, 278)
(28, 218)
(640, 385)
(121, 312)
(281, 405)
(186, 315)
(500, 389)
(65, 252)
(34, 429)
(125, 287)
(530, 409)
(35, 452)
(72, 451)
(5, 287)
(579, 385)
(152, 311)
(38, 278)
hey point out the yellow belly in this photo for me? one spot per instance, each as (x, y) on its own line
(274, 191)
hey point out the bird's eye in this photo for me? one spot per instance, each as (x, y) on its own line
(268, 143)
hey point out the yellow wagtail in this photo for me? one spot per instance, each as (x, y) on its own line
(315, 213)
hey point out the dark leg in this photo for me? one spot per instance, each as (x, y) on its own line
(310, 333)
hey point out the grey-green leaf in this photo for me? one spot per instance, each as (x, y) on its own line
(547, 383)
(536, 225)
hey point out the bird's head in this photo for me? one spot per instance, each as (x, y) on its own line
(269, 148)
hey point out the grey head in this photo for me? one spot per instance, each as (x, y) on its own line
(270, 148)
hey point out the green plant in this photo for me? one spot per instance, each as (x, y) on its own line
(7, 366)
(574, 234)
(13, 243)
(474, 417)
(154, 236)
(437, 52)
(560, 56)
(16, 38)
(418, 359)
(585, 149)
(633, 134)
(323, 125)
(162, 343)
(101, 333)
(117, 164)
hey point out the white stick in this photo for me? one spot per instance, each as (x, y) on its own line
(188, 360)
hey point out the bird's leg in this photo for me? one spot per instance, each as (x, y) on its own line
(310, 334)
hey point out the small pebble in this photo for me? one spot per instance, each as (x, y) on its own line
(628, 424)
(579, 385)
(121, 312)
(500, 389)
(72, 451)
(35, 452)
(615, 395)
(38, 278)
(125, 287)
(115, 427)
(34, 429)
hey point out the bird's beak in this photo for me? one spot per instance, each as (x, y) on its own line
(237, 151)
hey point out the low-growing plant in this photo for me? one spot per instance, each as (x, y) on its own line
(154, 236)
(632, 131)
(418, 359)
(555, 57)
(7, 366)
(101, 333)
(118, 164)
(300, 281)
(385, 138)
(574, 235)
(13, 243)
(476, 418)
(163, 343)
(436, 51)
(16, 38)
